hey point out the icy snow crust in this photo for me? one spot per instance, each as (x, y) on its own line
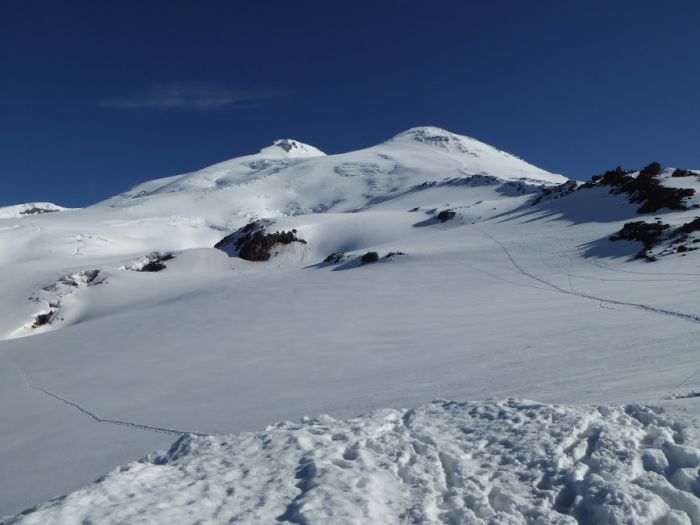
(518, 294)
(507, 462)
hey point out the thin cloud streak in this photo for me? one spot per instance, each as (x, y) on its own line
(194, 97)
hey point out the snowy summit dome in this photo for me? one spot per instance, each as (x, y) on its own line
(432, 135)
(291, 148)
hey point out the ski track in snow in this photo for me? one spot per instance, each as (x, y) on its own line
(98, 419)
(554, 287)
(601, 301)
(596, 262)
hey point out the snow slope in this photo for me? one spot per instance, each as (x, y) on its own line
(506, 299)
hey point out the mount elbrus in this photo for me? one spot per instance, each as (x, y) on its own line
(289, 283)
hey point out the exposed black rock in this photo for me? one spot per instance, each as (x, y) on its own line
(474, 181)
(257, 247)
(393, 254)
(446, 215)
(682, 173)
(556, 192)
(52, 295)
(651, 235)
(645, 189)
(252, 243)
(648, 233)
(36, 211)
(691, 226)
(43, 319)
(369, 258)
(645, 232)
(286, 144)
(237, 238)
(614, 178)
(90, 277)
(334, 258)
(155, 262)
(652, 170)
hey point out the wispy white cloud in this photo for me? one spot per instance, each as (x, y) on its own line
(198, 97)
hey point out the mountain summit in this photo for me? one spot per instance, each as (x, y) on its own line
(290, 177)
(291, 148)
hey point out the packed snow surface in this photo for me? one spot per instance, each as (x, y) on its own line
(494, 462)
(430, 266)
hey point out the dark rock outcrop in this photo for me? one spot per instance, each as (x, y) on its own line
(253, 243)
(446, 215)
(556, 192)
(648, 233)
(682, 173)
(37, 211)
(692, 226)
(156, 262)
(652, 235)
(644, 189)
(334, 258)
(369, 258)
(43, 318)
(153, 262)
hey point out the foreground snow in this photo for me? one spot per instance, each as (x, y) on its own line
(493, 462)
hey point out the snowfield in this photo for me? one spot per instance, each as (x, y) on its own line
(431, 266)
(492, 462)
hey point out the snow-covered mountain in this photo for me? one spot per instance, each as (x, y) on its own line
(291, 178)
(290, 283)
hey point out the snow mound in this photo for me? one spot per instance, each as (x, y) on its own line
(495, 462)
(30, 208)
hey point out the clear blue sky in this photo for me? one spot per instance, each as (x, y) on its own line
(96, 96)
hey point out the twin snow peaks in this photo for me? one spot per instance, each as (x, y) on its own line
(421, 134)
(290, 177)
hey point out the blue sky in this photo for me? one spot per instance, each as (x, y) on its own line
(96, 96)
